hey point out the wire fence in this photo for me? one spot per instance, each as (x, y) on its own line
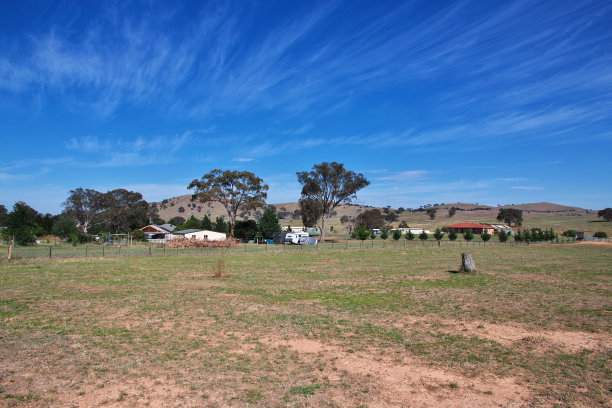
(51, 251)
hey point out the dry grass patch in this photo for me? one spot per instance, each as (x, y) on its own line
(375, 328)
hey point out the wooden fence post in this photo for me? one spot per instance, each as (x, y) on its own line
(50, 252)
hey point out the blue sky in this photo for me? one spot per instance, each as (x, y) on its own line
(474, 101)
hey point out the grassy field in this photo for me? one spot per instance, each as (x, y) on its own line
(335, 328)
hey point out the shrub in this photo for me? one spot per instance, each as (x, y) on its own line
(373, 235)
(423, 236)
(600, 234)
(503, 237)
(468, 235)
(452, 235)
(518, 236)
(569, 233)
(397, 234)
(485, 236)
(438, 234)
(385, 234)
(410, 236)
(138, 235)
(361, 232)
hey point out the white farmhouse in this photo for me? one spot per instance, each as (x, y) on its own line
(199, 234)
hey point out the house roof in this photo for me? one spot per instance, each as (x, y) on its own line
(187, 231)
(468, 225)
(162, 229)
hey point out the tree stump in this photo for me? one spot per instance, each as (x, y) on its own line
(467, 263)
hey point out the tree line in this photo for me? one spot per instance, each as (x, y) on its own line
(324, 188)
(86, 213)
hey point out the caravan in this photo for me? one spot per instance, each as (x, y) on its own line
(300, 238)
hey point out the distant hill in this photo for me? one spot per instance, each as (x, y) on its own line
(546, 207)
(287, 212)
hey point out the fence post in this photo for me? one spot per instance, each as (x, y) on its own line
(266, 247)
(372, 243)
(102, 250)
(86, 250)
(223, 250)
(150, 249)
(119, 250)
(10, 251)
(50, 252)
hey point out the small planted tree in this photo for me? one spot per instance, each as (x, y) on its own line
(438, 234)
(468, 235)
(502, 236)
(410, 236)
(485, 236)
(385, 234)
(527, 236)
(452, 235)
(600, 234)
(397, 234)
(423, 236)
(518, 237)
(361, 233)
(373, 235)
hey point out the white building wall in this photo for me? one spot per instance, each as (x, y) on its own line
(204, 234)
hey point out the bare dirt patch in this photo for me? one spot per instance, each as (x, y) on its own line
(511, 335)
(597, 243)
(394, 381)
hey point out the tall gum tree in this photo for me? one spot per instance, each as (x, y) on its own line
(235, 190)
(330, 184)
(83, 205)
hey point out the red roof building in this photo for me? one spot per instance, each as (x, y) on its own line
(476, 228)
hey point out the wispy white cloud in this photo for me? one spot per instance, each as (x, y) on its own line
(528, 188)
(243, 159)
(139, 151)
(406, 175)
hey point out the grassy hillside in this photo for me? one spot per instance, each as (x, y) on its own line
(544, 215)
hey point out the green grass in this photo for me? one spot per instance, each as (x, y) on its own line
(106, 322)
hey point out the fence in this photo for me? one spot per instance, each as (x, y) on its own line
(100, 251)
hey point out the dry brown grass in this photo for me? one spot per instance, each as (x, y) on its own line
(372, 328)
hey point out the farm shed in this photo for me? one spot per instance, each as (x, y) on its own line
(199, 234)
(502, 227)
(476, 228)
